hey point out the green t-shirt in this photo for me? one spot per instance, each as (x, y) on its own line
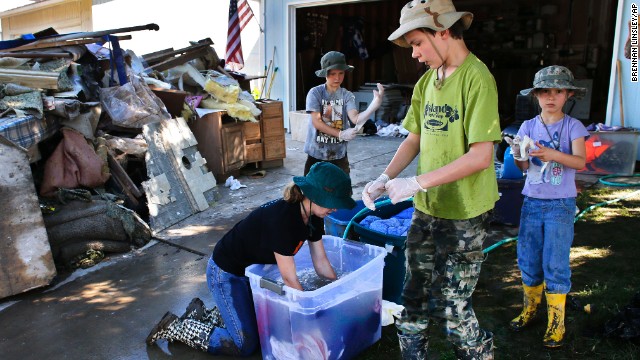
(464, 111)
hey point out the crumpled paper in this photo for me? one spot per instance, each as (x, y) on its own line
(390, 310)
(234, 184)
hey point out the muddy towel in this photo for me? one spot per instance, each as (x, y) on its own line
(73, 163)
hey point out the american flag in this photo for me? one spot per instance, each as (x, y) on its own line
(239, 15)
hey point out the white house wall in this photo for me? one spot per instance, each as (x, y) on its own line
(280, 26)
(630, 89)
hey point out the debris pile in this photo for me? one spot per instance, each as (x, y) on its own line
(105, 134)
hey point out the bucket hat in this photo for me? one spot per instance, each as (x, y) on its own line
(436, 15)
(327, 185)
(333, 60)
(555, 77)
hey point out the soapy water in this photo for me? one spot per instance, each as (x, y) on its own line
(310, 280)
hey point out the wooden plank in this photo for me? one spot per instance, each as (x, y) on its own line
(30, 72)
(26, 261)
(82, 35)
(164, 54)
(196, 52)
(123, 178)
(30, 80)
(33, 55)
(173, 99)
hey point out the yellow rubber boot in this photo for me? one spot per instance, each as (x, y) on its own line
(532, 298)
(555, 326)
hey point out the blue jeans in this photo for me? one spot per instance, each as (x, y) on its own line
(544, 243)
(233, 297)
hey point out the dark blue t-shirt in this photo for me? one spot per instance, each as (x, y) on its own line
(276, 226)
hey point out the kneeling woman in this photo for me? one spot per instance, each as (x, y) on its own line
(271, 234)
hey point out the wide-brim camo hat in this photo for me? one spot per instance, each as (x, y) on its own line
(437, 15)
(555, 77)
(327, 185)
(333, 60)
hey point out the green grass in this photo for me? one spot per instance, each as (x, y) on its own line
(605, 263)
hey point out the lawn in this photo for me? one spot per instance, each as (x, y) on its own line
(605, 265)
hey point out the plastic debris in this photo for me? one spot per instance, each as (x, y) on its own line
(234, 184)
(390, 311)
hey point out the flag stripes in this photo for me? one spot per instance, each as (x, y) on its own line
(239, 16)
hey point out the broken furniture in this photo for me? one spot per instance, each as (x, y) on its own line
(264, 144)
(221, 143)
(272, 133)
(26, 261)
(179, 184)
(228, 144)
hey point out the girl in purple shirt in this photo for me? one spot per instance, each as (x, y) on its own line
(555, 151)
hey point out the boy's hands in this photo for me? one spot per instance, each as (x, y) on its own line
(348, 134)
(401, 189)
(373, 190)
(377, 96)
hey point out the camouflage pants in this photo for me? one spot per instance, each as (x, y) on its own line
(443, 265)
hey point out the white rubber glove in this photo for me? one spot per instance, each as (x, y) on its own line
(514, 144)
(516, 149)
(377, 96)
(373, 190)
(403, 188)
(347, 135)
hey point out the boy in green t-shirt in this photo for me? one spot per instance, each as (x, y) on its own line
(453, 124)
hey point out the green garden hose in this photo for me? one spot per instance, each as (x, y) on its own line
(365, 210)
(604, 180)
(583, 212)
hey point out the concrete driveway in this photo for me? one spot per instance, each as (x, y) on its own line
(106, 312)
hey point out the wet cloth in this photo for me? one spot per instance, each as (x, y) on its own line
(74, 163)
(28, 130)
(334, 109)
(397, 225)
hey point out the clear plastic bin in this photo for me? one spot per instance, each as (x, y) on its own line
(336, 321)
(611, 152)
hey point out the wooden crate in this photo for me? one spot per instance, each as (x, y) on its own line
(272, 127)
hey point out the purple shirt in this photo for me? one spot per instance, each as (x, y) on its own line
(555, 181)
